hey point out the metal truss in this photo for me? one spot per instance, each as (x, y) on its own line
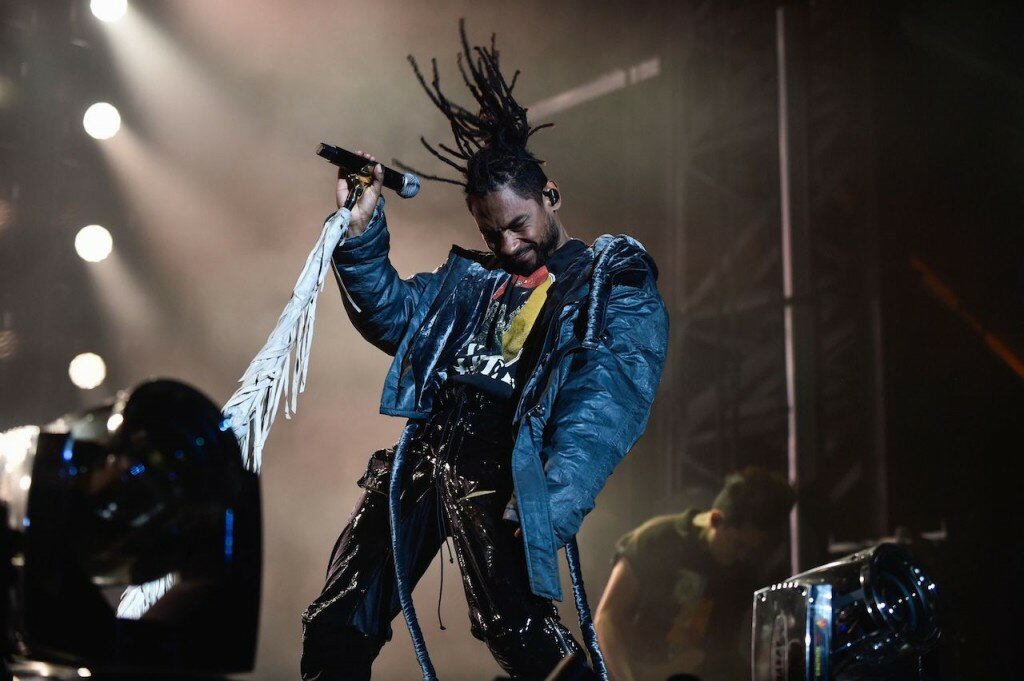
(848, 468)
(723, 402)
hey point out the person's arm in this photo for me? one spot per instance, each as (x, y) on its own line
(603, 404)
(378, 302)
(612, 619)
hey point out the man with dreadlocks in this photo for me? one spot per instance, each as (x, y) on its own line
(526, 374)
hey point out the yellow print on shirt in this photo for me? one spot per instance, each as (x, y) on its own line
(515, 335)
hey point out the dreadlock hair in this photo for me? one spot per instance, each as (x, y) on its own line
(490, 145)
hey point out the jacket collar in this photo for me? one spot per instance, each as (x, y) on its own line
(610, 256)
(615, 256)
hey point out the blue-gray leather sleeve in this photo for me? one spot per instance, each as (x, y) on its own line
(378, 301)
(603, 404)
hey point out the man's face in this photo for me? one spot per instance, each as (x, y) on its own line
(522, 233)
(733, 545)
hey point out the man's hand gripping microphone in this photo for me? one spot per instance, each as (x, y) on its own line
(406, 185)
(358, 182)
(356, 178)
(358, 191)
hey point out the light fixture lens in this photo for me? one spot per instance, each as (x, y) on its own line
(101, 121)
(87, 370)
(8, 344)
(6, 214)
(114, 422)
(15, 444)
(94, 243)
(108, 10)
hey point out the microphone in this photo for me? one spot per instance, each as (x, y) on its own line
(406, 185)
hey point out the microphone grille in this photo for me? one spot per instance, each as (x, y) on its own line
(410, 186)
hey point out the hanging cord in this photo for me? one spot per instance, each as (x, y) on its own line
(398, 551)
(451, 422)
(572, 555)
(444, 539)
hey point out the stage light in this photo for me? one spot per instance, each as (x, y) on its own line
(101, 121)
(108, 10)
(87, 370)
(6, 214)
(14, 446)
(115, 421)
(869, 615)
(8, 344)
(93, 243)
(93, 511)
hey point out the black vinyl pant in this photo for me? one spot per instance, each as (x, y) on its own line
(457, 482)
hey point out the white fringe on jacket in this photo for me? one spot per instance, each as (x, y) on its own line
(278, 370)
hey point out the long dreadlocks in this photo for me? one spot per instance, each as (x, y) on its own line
(490, 146)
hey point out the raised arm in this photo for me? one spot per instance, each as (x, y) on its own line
(378, 301)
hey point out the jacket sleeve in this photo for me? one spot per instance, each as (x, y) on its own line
(378, 301)
(603, 404)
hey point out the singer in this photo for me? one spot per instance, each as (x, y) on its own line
(525, 372)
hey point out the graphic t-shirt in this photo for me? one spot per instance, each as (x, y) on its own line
(690, 608)
(489, 359)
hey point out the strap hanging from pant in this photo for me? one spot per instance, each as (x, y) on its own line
(572, 555)
(398, 552)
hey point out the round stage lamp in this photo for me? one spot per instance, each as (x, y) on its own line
(108, 10)
(6, 214)
(101, 121)
(87, 370)
(148, 488)
(93, 243)
(870, 615)
(8, 344)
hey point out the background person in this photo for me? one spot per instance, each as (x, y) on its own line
(679, 597)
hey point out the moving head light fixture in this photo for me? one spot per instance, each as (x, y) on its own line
(858, 618)
(145, 488)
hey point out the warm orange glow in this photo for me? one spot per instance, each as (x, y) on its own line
(945, 294)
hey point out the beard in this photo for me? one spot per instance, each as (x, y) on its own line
(549, 244)
(528, 260)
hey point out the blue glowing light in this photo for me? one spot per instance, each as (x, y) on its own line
(229, 534)
(137, 470)
(68, 452)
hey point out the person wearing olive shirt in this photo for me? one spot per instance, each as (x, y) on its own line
(679, 597)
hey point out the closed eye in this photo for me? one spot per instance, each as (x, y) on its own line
(517, 224)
